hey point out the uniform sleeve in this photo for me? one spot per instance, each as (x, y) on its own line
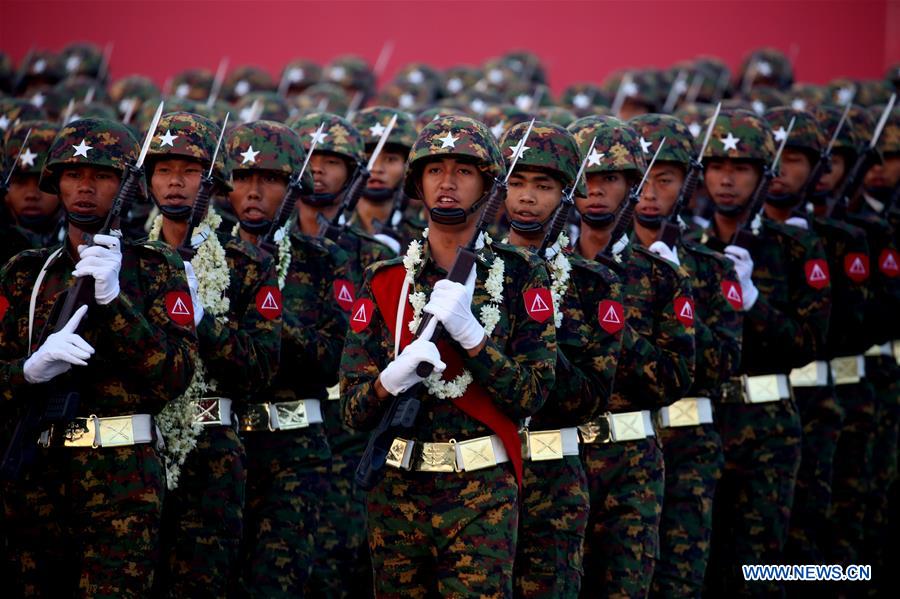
(519, 375)
(12, 344)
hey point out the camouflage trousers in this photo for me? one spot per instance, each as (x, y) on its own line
(287, 479)
(752, 509)
(203, 518)
(822, 417)
(447, 534)
(342, 566)
(85, 523)
(626, 482)
(694, 463)
(552, 525)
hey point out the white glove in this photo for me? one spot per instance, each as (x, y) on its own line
(451, 303)
(194, 287)
(743, 265)
(388, 241)
(59, 352)
(665, 252)
(400, 374)
(102, 261)
(798, 221)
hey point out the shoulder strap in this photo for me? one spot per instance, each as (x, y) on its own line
(34, 293)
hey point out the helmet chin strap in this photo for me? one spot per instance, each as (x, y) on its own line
(530, 229)
(256, 227)
(598, 221)
(455, 216)
(782, 200)
(378, 196)
(730, 211)
(178, 214)
(650, 222)
(89, 223)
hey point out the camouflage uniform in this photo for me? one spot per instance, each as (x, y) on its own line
(288, 456)
(555, 501)
(88, 518)
(784, 329)
(692, 447)
(239, 350)
(451, 530)
(625, 467)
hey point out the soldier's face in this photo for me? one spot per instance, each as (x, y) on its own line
(25, 199)
(388, 171)
(88, 190)
(257, 194)
(793, 172)
(450, 183)
(731, 182)
(329, 172)
(660, 192)
(605, 192)
(830, 180)
(884, 175)
(532, 196)
(176, 181)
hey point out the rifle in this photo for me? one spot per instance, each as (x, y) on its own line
(399, 204)
(216, 87)
(744, 236)
(4, 187)
(824, 163)
(671, 230)
(565, 207)
(334, 228)
(57, 401)
(201, 203)
(678, 87)
(401, 413)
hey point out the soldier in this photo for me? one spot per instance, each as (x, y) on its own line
(622, 456)
(555, 502)
(84, 519)
(443, 519)
(288, 457)
(691, 445)
(786, 302)
(238, 318)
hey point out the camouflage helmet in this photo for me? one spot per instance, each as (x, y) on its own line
(338, 136)
(806, 96)
(91, 141)
(406, 96)
(79, 89)
(582, 98)
(548, 148)
(617, 148)
(371, 122)
(434, 114)
(188, 135)
(652, 128)
(264, 145)
(129, 93)
(713, 77)
(740, 134)
(477, 102)
(83, 59)
(760, 99)
(322, 97)
(526, 65)
(892, 76)
(499, 119)
(862, 123)
(889, 142)
(767, 67)
(299, 74)
(262, 106)
(839, 92)
(39, 66)
(352, 73)
(454, 136)
(806, 134)
(35, 153)
(82, 110)
(846, 142)
(38, 96)
(193, 84)
(15, 109)
(419, 74)
(460, 79)
(528, 97)
(694, 116)
(871, 92)
(644, 87)
(145, 116)
(498, 76)
(244, 80)
(557, 114)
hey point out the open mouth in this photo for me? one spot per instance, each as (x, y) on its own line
(84, 207)
(376, 184)
(445, 201)
(526, 216)
(648, 211)
(253, 213)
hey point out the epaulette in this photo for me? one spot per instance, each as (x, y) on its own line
(698, 249)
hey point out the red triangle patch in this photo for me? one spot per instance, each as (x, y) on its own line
(734, 294)
(344, 293)
(611, 316)
(889, 263)
(856, 266)
(269, 302)
(180, 307)
(817, 275)
(361, 314)
(684, 311)
(539, 304)
(4, 306)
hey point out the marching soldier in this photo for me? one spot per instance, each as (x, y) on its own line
(84, 518)
(443, 519)
(622, 456)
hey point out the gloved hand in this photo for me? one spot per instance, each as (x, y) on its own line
(400, 374)
(663, 251)
(102, 261)
(743, 265)
(798, 221)
(59, 352)
(451, 303)
(194, 287)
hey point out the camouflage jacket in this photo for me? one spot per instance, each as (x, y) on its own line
(515, 367)
(656, 366)
(143, 342)
(15, 239)
(787, 325)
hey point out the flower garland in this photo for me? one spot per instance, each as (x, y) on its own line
(489, 314)
(560, 270)
(179, 427)
(283, 243)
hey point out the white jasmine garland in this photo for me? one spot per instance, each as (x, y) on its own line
(178, 424)
(283, 243)
(560, 270)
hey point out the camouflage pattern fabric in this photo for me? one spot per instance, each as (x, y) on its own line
(748, 135)
(767, 67)
(370, 122)
(191, 136)
(617, 145)
(246, 79)
(549, 147)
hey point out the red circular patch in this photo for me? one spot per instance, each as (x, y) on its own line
(539, 304)
(734, 294)
(817, 275)
(684, 311)
(4, 306)
(889, 263)
(361, 314)
(344, 293)
(268, 302)
(180, 307)
(611, 316)
(856, 266)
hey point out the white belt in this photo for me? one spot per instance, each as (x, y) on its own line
(814, 374)
(213, 411)
(615, 428)
(687, 411)
(550, 445)
(848, 370)
(885, 349)
(896, 345)
(766, 388)
(453, 456)
(116, 431)
(334, 392)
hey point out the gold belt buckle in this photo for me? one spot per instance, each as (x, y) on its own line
(544, 445)
(256, 418)
(436, 457)
(334, 392)
(209, 411)
(81, 432)
(805, 376)
(596, 431)
(291, 415)
(846, 370)
(396, 452)
(761, 389)
(116, 431)
(477, 454)
(627, 427)
(685, 412)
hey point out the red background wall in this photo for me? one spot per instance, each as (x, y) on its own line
(576, 40)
